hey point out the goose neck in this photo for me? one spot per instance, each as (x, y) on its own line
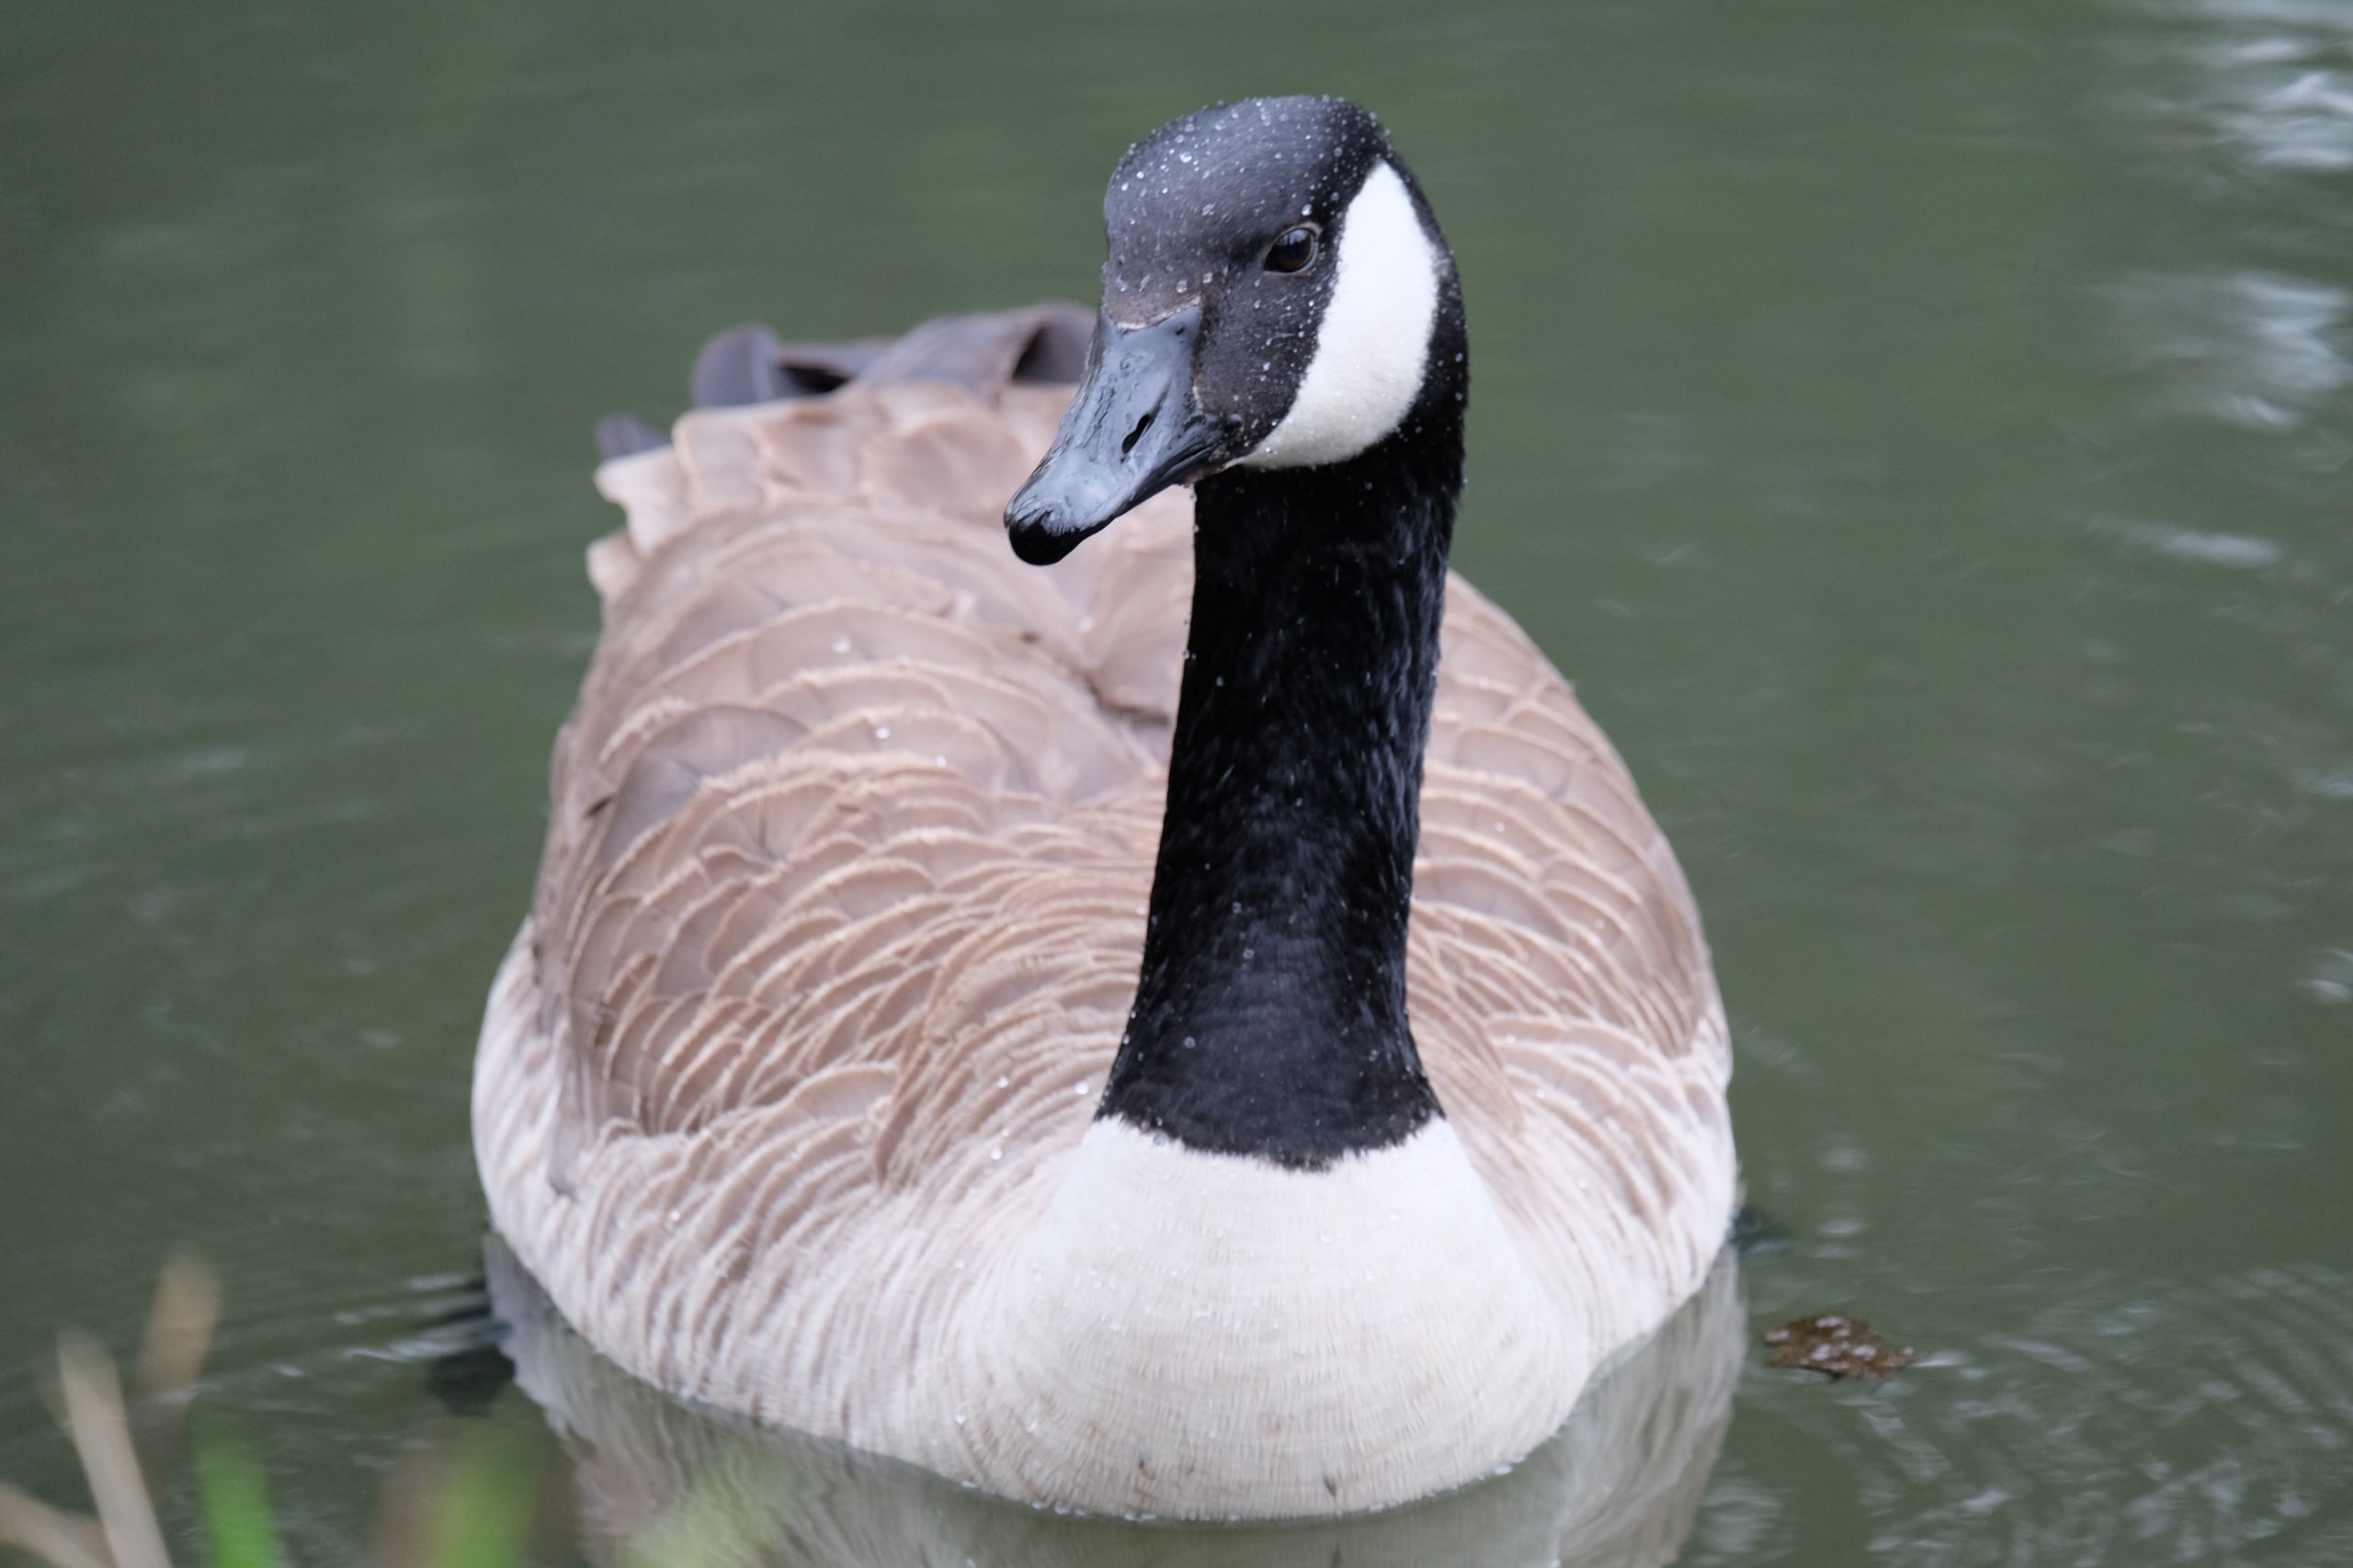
(1270, 1011)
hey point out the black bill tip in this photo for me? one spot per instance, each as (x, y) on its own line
(1042, 534)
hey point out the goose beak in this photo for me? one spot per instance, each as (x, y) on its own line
(1131, 430)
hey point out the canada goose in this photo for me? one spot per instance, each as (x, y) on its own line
(822, 1084)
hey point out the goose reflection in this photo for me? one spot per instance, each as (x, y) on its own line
(654, 1480)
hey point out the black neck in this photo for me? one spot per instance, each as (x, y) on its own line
(1271, 1012)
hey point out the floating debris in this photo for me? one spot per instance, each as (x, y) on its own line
(1840, 1345)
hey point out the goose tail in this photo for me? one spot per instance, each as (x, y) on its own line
(659, 481)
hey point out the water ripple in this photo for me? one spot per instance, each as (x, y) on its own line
(2252, 348)
(2210, 1424)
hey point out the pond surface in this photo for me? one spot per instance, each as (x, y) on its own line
(1925, 432)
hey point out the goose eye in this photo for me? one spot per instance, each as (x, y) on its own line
(1294, 250)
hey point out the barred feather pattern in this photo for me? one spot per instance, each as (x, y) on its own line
(838, 919)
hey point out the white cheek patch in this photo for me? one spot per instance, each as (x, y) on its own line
(1374, 342)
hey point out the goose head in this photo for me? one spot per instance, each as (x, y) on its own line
(1277, 295)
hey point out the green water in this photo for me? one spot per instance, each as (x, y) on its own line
(1925, 434)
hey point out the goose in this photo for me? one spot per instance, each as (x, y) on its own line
(1205, 1030)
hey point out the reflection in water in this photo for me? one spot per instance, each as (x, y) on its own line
(2252, 348)
(1618, 1486)
(2243, 552)
(2272, 79)
(2332, 981)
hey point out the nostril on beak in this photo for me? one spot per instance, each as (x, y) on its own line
(1137, 434)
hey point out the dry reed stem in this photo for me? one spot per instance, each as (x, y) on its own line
(68, 1540)
(402, 1534)
(89, 1392)
(101, 1434)
(171, 1356)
